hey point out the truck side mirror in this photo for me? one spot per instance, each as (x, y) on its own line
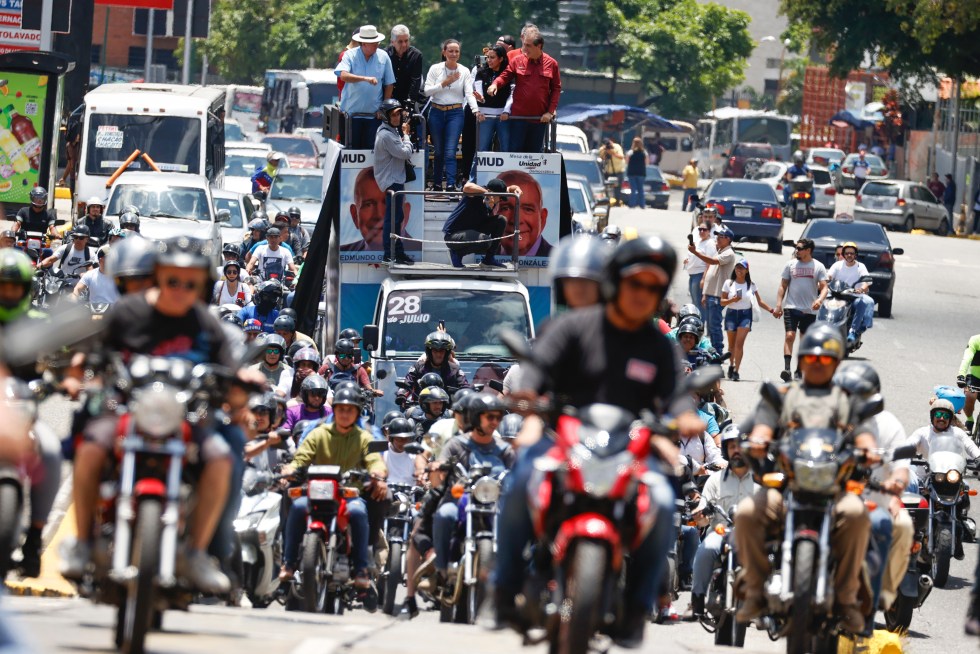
(370, 337)
(302, 96)
(223, 216)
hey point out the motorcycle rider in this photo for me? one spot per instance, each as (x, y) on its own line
(285, 326)
(258, 223)
(271, 259)
(798, 169)
(341, 443)
(273, 368)
(442, 431)
(131, 263)
(724, 489)
(813, 402)
(296, 227)
(252, 329)
(850, 270)
(433, 402)
(75, 257)
(403, 468)
(100, 286)
(231, 289)
(168, 318)
(969, 374)
(438, 350)
(891, 525)
(306, 362)
(575, 268)
(313, 406)
(343, 367)
(129, 222)
(97, 226)
(264, 305)
(37, 217)
(612, 353)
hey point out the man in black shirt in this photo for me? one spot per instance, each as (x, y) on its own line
(95, 221)
(475, 221)
(406, 62)
(37, 217)
(614, 354)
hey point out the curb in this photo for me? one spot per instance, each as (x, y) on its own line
(50, 583)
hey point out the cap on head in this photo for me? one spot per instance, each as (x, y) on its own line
(496, 186)
(725, 232)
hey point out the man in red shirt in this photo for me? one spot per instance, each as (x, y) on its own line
(538, 85)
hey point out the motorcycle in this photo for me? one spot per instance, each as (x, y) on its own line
(477, 492)
(945, 488)
(720, 604)
(144, 504)
(258, 529)
(397, 529)
(800, 195)
(917, 584)
(53, 286)
(838, 309)
(810, 467)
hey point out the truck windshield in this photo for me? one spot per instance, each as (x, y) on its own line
(159, 201)
(473, 318)
(173, 142)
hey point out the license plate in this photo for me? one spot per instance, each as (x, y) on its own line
(743, 212)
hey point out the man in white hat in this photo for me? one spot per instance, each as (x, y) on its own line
(368, 79)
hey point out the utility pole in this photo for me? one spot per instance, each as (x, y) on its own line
(150, 19)
(188, 40)
(47, 38)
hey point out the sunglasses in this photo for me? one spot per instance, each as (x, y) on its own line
(345, 356)
(273, 350)
(942, 415)
(174, 283)
(636, 285)
(231, 271)
(494, 417)
(801, 248)
(702, 229)
(822, 359)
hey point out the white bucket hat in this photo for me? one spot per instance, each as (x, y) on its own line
(368, 34)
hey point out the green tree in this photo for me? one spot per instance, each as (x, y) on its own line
(790, 100)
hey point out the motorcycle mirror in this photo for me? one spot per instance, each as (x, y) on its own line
(871, 407)
(377, 447)
(703, 378)
(400, 383)
(789, 242)
(414, 448)
(496, 385)
(904, 452)
(515, 344)
(867, 279)
(772, 396)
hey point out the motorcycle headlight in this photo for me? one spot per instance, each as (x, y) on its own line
(834, 304)
(600, 475)
(322, 490)
(486, 490)
(249, 522)
(816, 477)
(953, 476)
(52, 285)
(158, 410)
(939, 477)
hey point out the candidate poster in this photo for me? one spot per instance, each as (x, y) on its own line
(22, 106)
(363, 205)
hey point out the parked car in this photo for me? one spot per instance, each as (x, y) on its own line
(749, 208)
(656, 190)
(239, 206)
(300, 187)
(300, 151)
(580, 200)
(874, 251)
(587, 165)
(600, 211)
(170, 204)
(877, 171)
(901, 204)
(745, 159)
(569, 138)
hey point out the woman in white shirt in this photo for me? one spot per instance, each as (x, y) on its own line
(736, 296)
(231, 290)
(448, 85)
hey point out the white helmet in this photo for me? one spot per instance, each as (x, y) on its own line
(96, 201)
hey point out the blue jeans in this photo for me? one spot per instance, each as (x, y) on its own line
(688, 192)
(690, 540)
(490, 126)
(694, 288)
(647, 562)
(526, 135)
(638, 196)
(399, 218)
(704, 562)
(222, 543)
(881, 540)
(864, 311)
(714, 323)
(296, 528)
(443, 527)
(445, 128)
(363, 131)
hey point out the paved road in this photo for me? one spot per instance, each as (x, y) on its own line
(934, 314)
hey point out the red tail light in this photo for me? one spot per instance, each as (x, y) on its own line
(718, 207)
(886, 260)
(923, 503)
(830, 191)
(774, 213)
(857, 197)
(884, 172)
(626, 186)
(900, 202)
(779, 187)
(665, 186)
(731, 161)
(847, 169)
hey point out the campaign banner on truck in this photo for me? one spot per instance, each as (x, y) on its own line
(363, 205)
(537, 215)
(12, 36)
(22, 106)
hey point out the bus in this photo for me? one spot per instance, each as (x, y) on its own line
(244, 104)
(678, 145)
(175, 126)
(722, 128)
(305, 91)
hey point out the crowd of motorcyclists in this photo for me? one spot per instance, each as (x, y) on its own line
(611, 428)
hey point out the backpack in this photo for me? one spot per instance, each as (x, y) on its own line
(86, 255)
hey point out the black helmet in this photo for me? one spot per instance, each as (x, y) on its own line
(460, 399)
(297, 431)
(186, 252)
(344, 346)
(259, 221)
(798, 157)
(693, 321)
(431, 394)
(230, 248)
(729, 433)
(294, 212)
(481, 403)
(401, 428)
(439, 341)
(313, 384)
(688, 310)
(391, 415)
(581, 257)
(289, 312)
(132, 257)
(131, 219)
(822, 338)
(284, 324)
(231, 264)
(233, 318)
(347, 394)
(263, 402)
(275, 340)
(350, 333)
(858, 379)
(81, 230)
(387, 107)
(431, 379)
(39, 195)
(649, 251)
(510, 426)
(688, 327)
(304, 353)
(269, 291)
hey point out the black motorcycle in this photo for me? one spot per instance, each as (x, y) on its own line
(838, 309)
(397, 530)
(720, 604)
(800, 196)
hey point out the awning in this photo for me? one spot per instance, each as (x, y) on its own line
(581, 112)
(847, 119)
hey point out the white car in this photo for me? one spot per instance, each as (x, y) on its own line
(240, 207)
(580, 197)
(240, 164)
(297, 187)
(824, 191)
(170, 204)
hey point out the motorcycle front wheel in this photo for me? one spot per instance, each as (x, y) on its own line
(583, 594)
(898, 618)
(394, 578)
(942, 553)
(136, 611)
(10, 510)
(313, 565)
(476, 593)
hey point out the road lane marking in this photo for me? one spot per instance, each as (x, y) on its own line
(315, 646)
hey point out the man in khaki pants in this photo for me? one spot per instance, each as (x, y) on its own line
(813, 402)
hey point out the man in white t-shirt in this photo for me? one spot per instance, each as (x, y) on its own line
(101, 287)
(802, 289)
(850, 271)
(271, 259)
(704, 243)
(75, 257)
(861, 167)
(403, 468)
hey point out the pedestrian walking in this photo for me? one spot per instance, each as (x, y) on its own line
(636, 173)
(720, 268)
(736, 297)
(689, 182)
(613, 164)
(802, 290)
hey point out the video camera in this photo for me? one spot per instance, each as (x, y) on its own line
(480, 61)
